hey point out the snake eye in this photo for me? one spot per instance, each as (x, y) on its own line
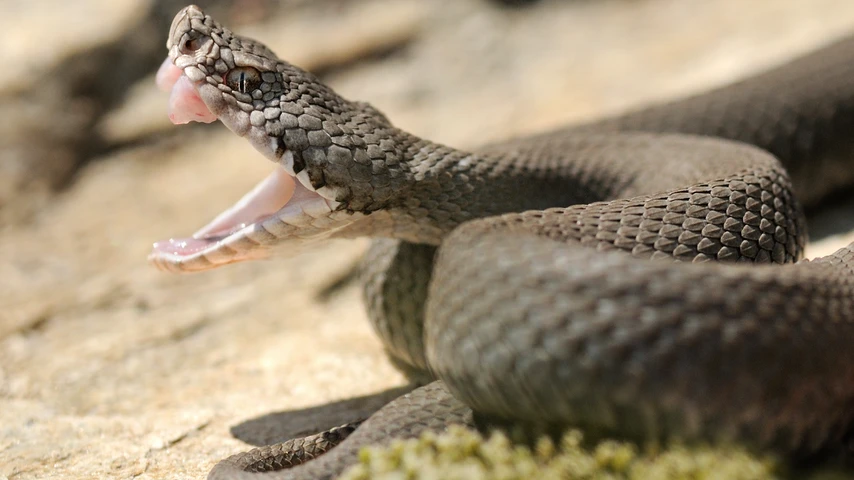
(243, 79)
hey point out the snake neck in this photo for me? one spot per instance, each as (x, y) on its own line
(441, 187)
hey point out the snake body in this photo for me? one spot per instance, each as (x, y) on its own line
(594, 276)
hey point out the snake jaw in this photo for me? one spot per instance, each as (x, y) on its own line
(283, 208)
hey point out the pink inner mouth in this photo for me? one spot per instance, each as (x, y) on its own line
(185, 104)
(268, 197)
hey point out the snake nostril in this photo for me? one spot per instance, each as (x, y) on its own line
(191, 45)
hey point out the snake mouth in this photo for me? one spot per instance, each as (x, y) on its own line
(283, 206)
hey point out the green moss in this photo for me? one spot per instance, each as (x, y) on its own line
(461, 454)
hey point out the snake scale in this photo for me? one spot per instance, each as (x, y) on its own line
(597, 276)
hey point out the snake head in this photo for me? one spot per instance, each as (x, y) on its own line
(334, 165)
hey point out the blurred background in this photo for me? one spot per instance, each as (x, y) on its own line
(111, 369)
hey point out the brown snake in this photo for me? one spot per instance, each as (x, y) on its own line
(594, 276)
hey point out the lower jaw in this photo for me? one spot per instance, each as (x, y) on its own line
(279, 211)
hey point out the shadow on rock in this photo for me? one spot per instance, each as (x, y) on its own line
(278, 427)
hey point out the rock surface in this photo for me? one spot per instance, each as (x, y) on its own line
(111, 369)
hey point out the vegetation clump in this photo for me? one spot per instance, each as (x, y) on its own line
(462, 454)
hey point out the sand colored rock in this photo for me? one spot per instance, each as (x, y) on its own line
(111, 369)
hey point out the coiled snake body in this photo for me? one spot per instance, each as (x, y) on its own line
(593, 276)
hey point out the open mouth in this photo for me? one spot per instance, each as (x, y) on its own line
(282, 206)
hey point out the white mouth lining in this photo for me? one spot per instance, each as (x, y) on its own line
(305, 215)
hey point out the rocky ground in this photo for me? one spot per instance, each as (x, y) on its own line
(111, 369)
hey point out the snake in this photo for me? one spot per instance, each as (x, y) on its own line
(640, 274)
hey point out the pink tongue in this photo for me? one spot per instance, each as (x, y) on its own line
(185, 105)
(167, 75)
